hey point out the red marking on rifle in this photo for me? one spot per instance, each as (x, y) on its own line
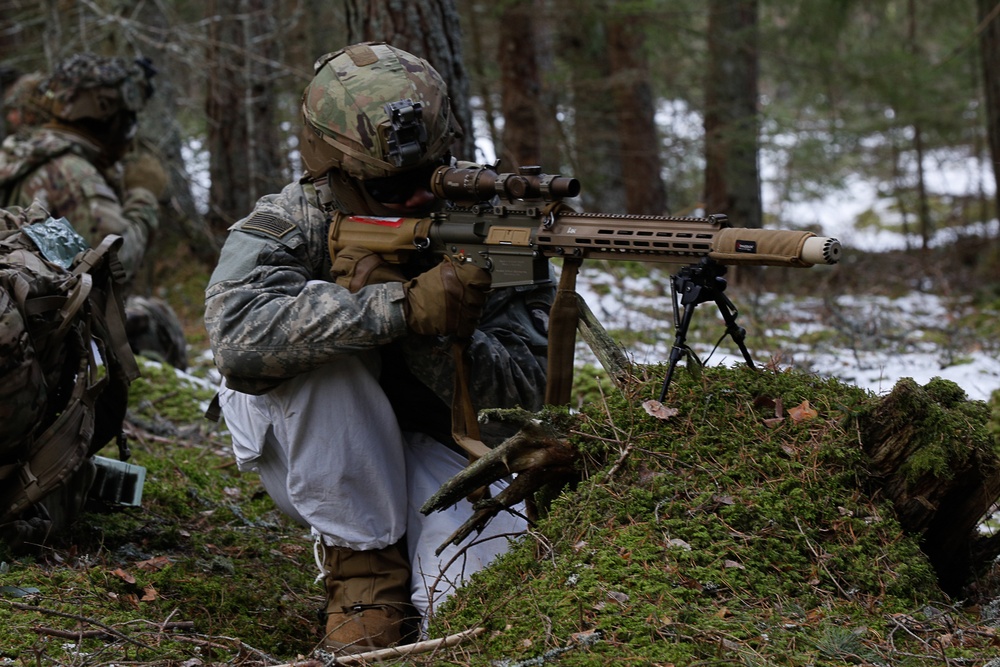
(372, 220)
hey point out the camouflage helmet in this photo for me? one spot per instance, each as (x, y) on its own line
(86, 86)
(23, 93)
(374, 111)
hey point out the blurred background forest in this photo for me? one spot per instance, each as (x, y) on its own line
(742, 107)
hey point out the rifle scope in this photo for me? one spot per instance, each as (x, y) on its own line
(481, 184)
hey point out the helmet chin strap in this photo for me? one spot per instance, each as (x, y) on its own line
(340, 193)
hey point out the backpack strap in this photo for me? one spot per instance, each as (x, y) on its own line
(108, 306)
(58, 452)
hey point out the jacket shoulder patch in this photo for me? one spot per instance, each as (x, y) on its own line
(267, 224)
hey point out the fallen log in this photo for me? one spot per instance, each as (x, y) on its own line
(934, 459)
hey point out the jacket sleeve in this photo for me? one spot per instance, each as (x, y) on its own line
(271, 315)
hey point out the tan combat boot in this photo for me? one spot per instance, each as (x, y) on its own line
(367, 599)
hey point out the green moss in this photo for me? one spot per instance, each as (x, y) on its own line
(714, 537)
(162, 394)
(946, 429)
(712, 517)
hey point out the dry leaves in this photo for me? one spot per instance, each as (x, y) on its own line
(659, 410)
(801, 412)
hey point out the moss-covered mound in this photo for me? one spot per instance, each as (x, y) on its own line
(722, 535)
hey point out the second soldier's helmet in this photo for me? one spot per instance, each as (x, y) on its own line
(97, 88)
(22, 97)
(377, 122)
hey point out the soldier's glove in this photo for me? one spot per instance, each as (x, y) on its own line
(143, 170)
(355, 267)
(447, 299)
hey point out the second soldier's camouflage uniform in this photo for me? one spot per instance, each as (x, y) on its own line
(75, 166)
(58, 169)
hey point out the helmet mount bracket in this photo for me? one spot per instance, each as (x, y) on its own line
(407, 135)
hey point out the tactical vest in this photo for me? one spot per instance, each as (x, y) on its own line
(65, 362)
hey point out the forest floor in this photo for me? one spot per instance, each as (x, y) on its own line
(717, 536)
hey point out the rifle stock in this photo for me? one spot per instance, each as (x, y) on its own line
(512, 224)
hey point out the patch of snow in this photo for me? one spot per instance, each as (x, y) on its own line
(891, 345)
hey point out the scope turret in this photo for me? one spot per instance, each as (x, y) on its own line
(479, 184)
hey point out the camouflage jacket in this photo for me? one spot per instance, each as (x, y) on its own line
(273, 313)
(58, 170)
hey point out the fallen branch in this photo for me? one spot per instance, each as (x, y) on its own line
(83, 619)
(101, 634)
(397, 651)
(539, 453)
(609, 353)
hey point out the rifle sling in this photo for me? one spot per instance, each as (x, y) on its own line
(464, 425)
(562, 335)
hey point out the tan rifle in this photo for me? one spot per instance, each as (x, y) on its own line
(513, 224)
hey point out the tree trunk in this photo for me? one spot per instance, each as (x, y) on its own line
(637, 131)
(732, 182)
(940, 476)
(242, 135)
(429, 29)
(989, 45)
(159, 132)
(595, 147)
(480, 58)
(520, 87)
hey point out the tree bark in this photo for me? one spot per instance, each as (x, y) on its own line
(597, 162)
(243, 144)
(941, 474)
(989, 45)
(732, 181)
(520, 87)
(429, 29)
(637, 131)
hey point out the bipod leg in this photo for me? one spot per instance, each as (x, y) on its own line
(677, 351)
(687, 290)
(735, 331)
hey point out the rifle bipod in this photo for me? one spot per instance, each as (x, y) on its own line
(692, 285)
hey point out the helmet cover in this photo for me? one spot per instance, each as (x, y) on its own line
(374, 111)
(97, 87)
(23, 93)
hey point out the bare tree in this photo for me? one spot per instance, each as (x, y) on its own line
(160, 133)
(732, 181)
(989, 44)
(582, 40)
(429, 29)
(243, 143)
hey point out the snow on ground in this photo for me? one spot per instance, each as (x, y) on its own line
(877, 340)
